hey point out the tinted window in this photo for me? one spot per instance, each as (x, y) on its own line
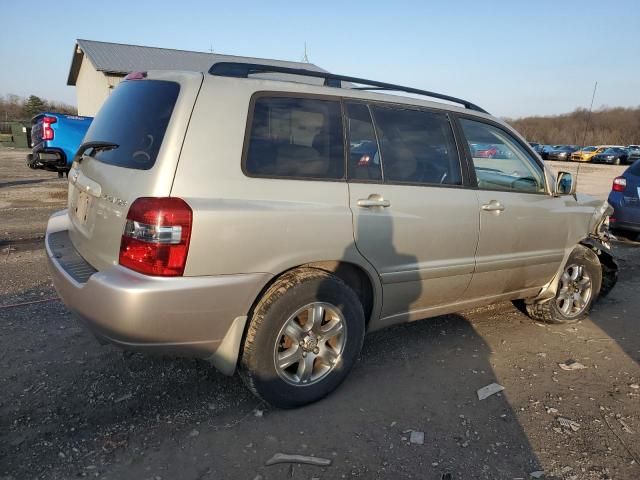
(417, 146)
(364, 158)
(635, 169)
(135, 117)
(508, 167)
(296, 138)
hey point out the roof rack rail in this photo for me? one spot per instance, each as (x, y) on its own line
(243, 70)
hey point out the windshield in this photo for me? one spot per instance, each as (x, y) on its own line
(135, 117)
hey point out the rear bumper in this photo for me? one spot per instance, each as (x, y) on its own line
(189, 316)
(47, 157)
(625, 226)
(625, 217)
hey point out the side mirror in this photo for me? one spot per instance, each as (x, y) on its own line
(565, 184)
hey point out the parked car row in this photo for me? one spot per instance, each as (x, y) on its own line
(611, 154)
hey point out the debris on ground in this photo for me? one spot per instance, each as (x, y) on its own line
(287, 458)
(258, 413)
(567, 423)
(537, 474)
(489, 390)
(625, 426)
(416, 438)
(551, 410)
(571, 365)
(123, 398)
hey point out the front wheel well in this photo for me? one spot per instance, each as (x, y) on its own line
(608, 264)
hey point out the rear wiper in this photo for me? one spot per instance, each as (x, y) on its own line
(94, 147)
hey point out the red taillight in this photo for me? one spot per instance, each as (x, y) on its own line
(619, 184)
(156, 236)
(47, 131)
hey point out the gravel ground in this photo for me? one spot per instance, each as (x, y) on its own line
(71, 408)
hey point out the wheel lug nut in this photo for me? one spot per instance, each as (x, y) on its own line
(316, 350)
(304, 354)
(301, 343)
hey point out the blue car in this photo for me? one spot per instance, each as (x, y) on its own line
(55, 138)
(625, 200)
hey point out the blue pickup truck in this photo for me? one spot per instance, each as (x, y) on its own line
(55, 137)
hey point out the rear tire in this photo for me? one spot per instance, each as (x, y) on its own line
(303, 338)
(578, 287)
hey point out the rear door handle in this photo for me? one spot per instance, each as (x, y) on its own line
(374, 200)
(493, 206)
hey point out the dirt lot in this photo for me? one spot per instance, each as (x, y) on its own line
(72, 408)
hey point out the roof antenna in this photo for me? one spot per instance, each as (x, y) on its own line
(586, 127)
(305, 57)
(211, 48)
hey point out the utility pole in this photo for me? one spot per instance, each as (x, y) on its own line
(305, 58)
(586, 126)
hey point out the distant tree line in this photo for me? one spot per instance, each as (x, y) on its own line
(607, 126)
(14, 107)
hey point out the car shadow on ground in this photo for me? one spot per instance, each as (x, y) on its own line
(63, 392)
(612, 312)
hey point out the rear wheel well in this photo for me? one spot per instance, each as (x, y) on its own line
(355, 277)
(349, 273)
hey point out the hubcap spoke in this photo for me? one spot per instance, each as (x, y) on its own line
(305, 368)
(332, 329)
(328, 355)
(584, 282)
(575, 274)
(566, 306)
(316, 315)
(294, 331)
(289, 356)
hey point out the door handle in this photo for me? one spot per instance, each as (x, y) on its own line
(374, 200)
(493, 206)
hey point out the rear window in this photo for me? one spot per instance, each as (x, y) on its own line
(135, 117)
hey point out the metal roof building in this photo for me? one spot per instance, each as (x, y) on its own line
(97, 67)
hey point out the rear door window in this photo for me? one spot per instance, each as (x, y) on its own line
(295, 138)
(364, 158)
(135, 117)
(418, 147)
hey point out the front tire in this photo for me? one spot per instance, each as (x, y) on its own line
(578, 287)
(304, 337)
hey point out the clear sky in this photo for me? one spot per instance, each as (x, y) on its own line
(513, 58)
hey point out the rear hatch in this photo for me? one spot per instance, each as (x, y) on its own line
(147, 119)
